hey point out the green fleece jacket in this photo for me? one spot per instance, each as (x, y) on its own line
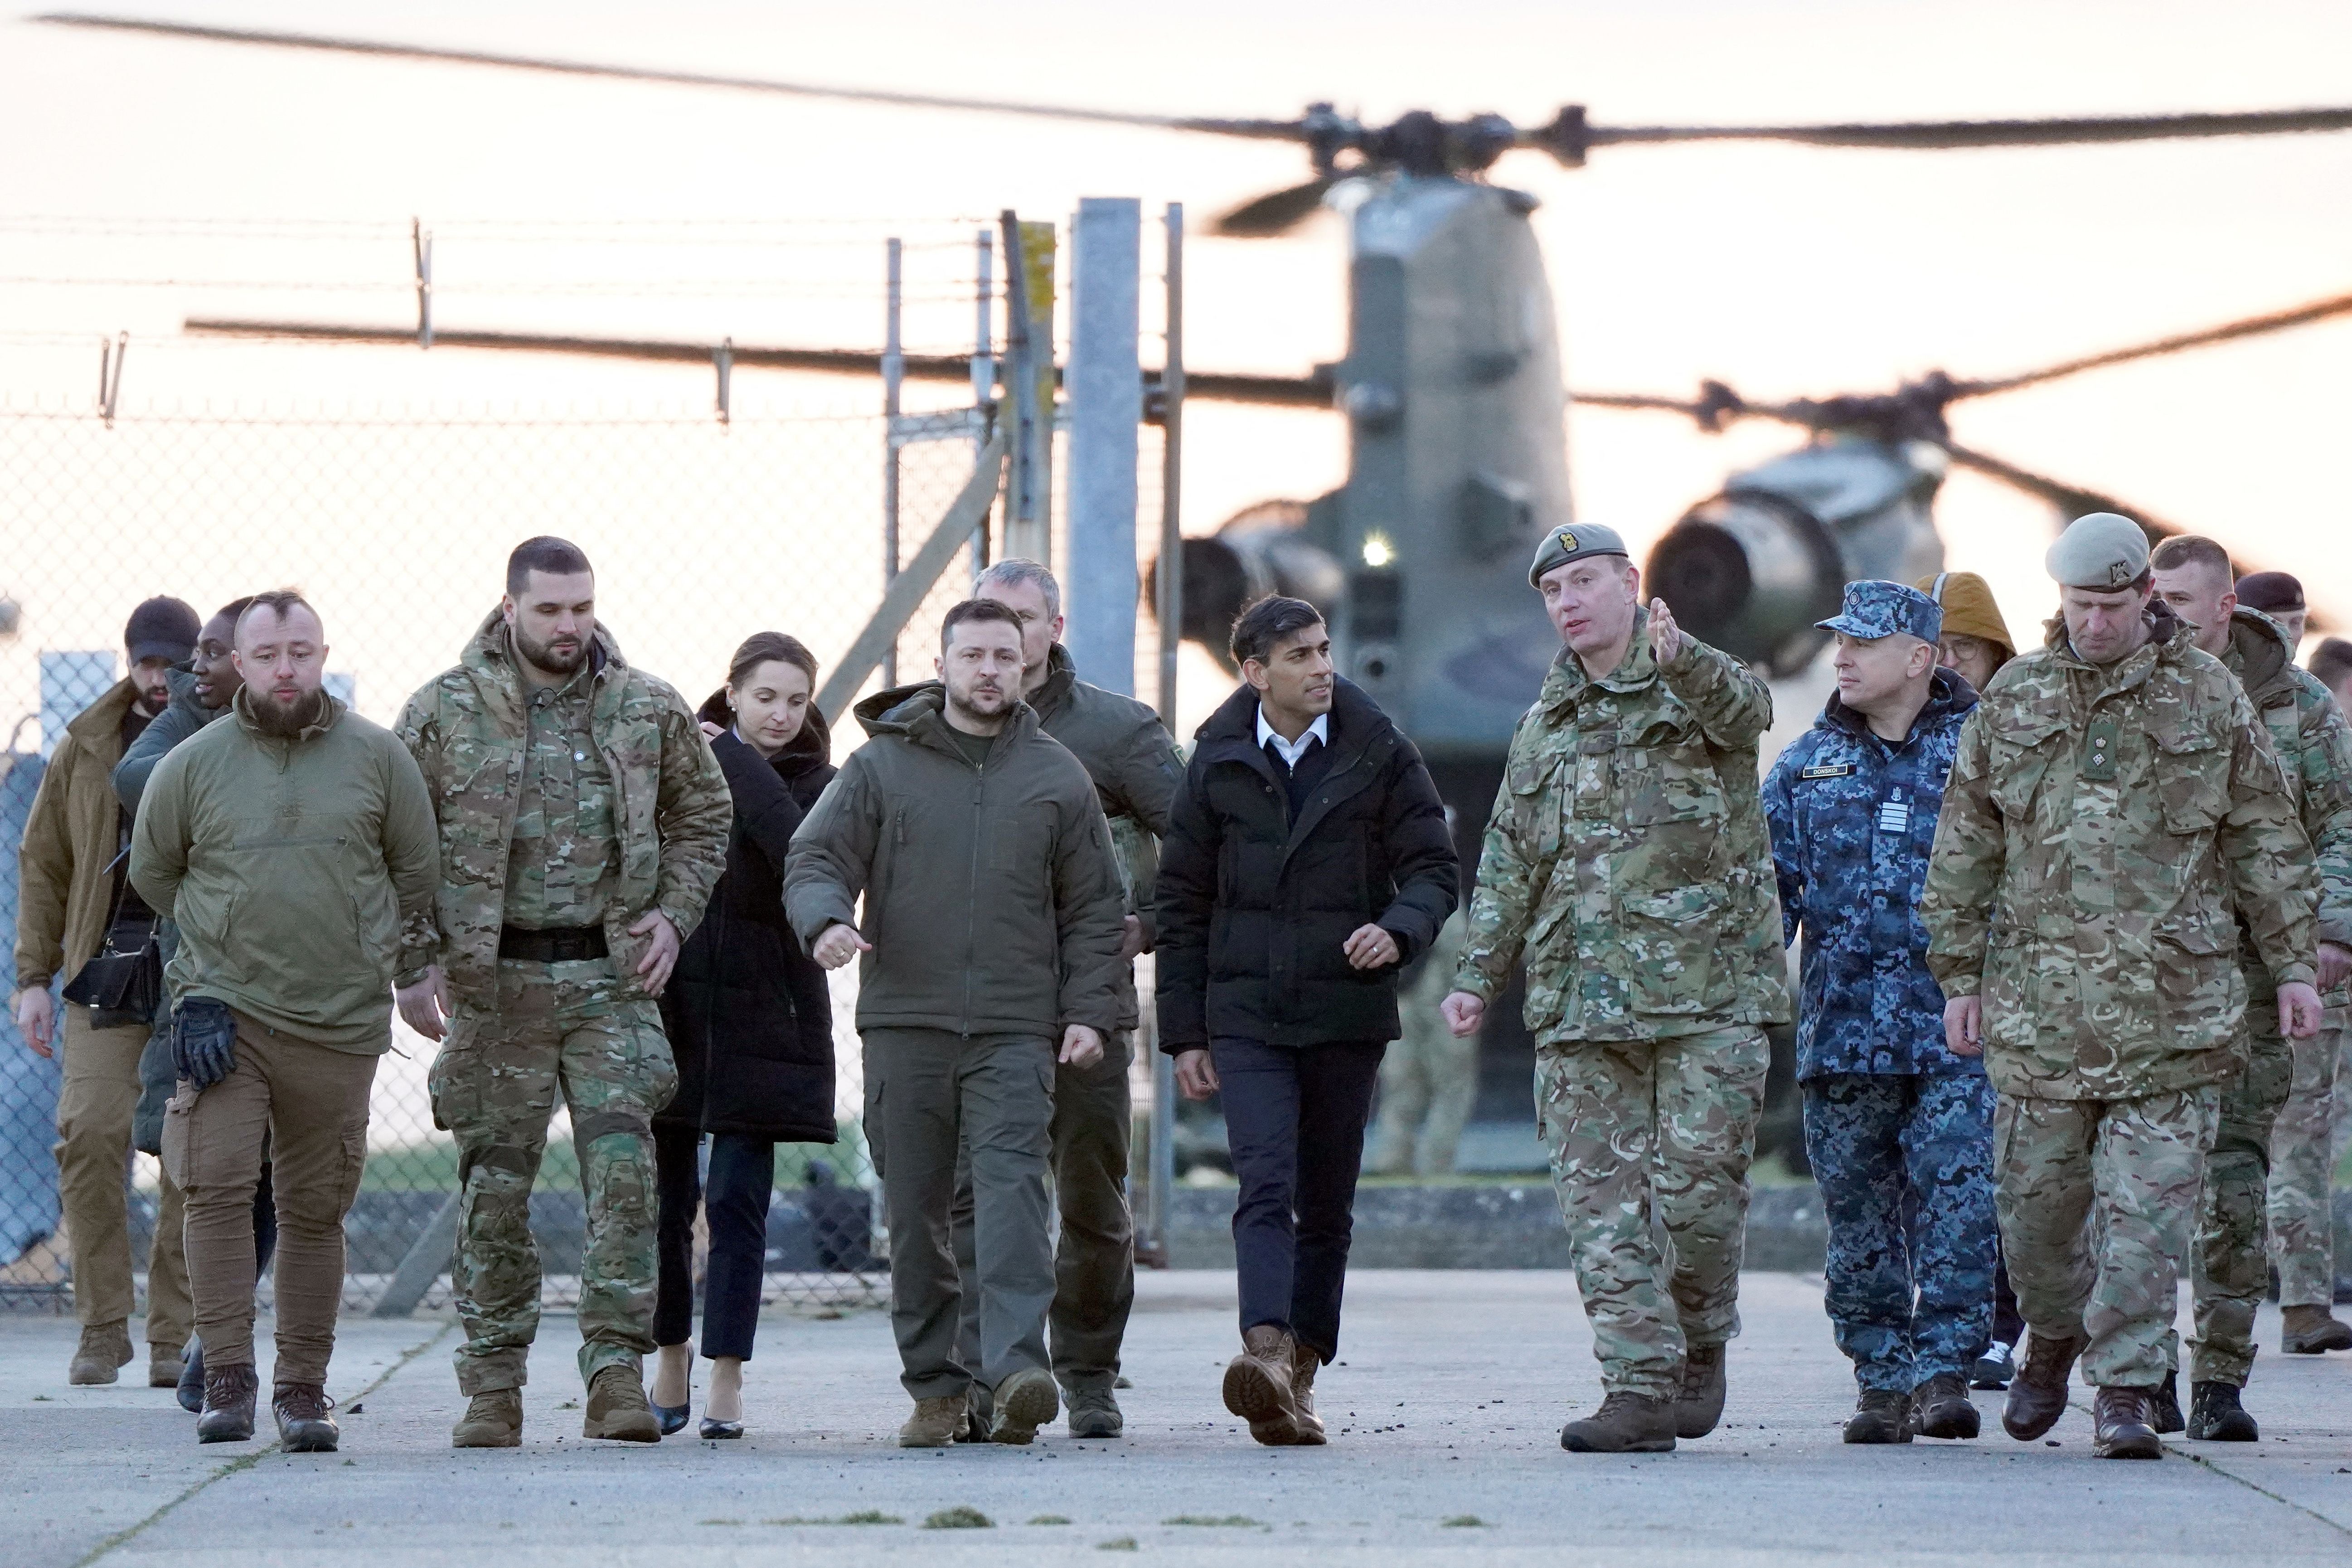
(291, 867)
(992, 897)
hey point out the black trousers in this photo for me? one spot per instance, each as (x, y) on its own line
(742, 1180)
(1295, 1119)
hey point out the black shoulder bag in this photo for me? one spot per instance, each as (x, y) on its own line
(124, 982)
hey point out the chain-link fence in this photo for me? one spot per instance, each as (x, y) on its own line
(397, 528)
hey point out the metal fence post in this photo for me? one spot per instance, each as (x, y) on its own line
(1168, 611)
(894, 375)
(1029, 348)
(1105, 404)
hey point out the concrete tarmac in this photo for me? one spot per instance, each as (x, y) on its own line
(1444, 1422)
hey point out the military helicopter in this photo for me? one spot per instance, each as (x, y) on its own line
(1452, 389)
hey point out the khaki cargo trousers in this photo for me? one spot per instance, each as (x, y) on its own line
(94, 1149)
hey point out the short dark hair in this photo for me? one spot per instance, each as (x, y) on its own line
(280, 601)
(235, 610)
(2192, 549)
(556, 557)
(1258, 628)
(759, 647)
(2331, 661)
(975, 610)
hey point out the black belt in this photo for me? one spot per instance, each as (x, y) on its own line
(565, 944)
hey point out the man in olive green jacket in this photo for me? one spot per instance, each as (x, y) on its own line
(1628, 859)
(992, 942)
(290, 844)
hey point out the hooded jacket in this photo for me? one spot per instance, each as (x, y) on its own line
(467, 730)
(993, 900)
(748, 1012)
(291, 868)
(64, 888)
(181, 717)
(1854, 819)
(1256, 909)
(2102, 829)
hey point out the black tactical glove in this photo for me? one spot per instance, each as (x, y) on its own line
(204, 1041)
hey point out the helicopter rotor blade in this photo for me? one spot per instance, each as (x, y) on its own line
(2250, 327)
(1275, 212)
(1568, 137)
(2072, 500)
(1259, 129)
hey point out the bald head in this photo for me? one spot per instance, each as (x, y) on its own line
(281, 655)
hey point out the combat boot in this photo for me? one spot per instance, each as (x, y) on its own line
(2309, 1331)
(1880, 1416)
(1699, 1406)
(2216, 1416)
(2164, 1405)
(1625, 1423)
(1940, 1408)
(979, 1415)
(617, 1407)
(103, 1353)
(493, 1419)
(2037, 1394)
(1025, 1401)
(2122, 1426)
(229, 1393)
(164, 1363)
(1257, 1385)
(1095, 1413)
(936, 1423)
(1303, 1364)
(304, 1423)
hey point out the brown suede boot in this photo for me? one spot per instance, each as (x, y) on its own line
(936, 1423)
(493, 1419)
(1257, 1386)
(2037, 1394)
(617, 1409)
(1625, 1423)
(1303, 1364)
(2122, 1428)
(229, 1393)
(103, 1353)
(305, 1422)
(164, 1363)
(2309, 1331)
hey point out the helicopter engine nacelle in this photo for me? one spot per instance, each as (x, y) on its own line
(1752, 569)
(1261, 550)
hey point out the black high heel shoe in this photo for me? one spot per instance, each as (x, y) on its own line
(716, 1429)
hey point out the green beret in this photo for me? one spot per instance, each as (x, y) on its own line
(2103, 552)
(1563, 545)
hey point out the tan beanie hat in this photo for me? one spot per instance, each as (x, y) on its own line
(1969, 607)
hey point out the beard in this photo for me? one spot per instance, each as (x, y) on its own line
(544, 656)
(286, 723)
(981, 706)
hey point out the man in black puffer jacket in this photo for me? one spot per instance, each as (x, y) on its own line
(1307, 864)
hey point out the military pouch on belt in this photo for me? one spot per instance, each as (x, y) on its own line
(2099, 751)
(204, 1041)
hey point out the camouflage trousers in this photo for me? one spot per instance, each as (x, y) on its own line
(1650, 1144)
(2307, 1143)
(1429, 1081)
(2230, 1265)
(1904, 1164)
(558, 1027)
(2116, 1283)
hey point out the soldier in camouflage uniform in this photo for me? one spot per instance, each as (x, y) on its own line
(583, 822)
(1627, 857)
(1429, 1079)
(2115, 796)
(2315, 749)
(1897, 1128)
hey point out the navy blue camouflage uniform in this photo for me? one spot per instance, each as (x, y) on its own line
(1898, 1129)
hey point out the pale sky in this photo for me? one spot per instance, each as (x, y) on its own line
(1782, 270)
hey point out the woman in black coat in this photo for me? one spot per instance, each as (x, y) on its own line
(750, 1023)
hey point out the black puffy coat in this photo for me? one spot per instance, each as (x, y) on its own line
(747, 1012)
(1254, 909)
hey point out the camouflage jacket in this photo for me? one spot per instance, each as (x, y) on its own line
(2314, 749)
(1853, 816)
(466, 729)
(2099, 826)
(1627, 855)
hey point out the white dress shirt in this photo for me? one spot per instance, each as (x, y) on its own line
(1291, 750)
